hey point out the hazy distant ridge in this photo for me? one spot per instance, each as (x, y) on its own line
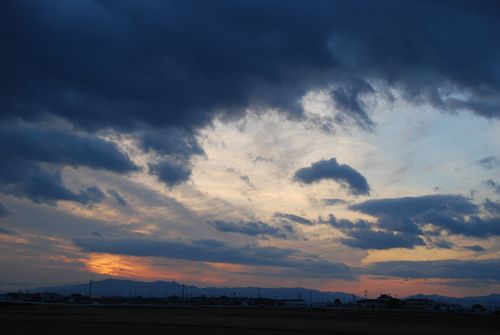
(162, 289)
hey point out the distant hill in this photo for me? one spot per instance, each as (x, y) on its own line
(161, 289)
(486, 300)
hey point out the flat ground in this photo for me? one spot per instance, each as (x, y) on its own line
(75, 320)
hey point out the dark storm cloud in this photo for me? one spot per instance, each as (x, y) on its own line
(174, 142)
(411, 206)
(62, 147)
(118, 197)
(489, 162)
(354, 181)
(251, 228)
(103, 64)
(452, 269)
(349, 99)
(216, 251)
(170, 172)
(294, 218)
(41, 185)
(32, 158)
(35, 183)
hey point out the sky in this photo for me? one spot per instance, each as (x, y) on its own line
(337, 145)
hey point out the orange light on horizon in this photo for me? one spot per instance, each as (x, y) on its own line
(142, 268)
(126, 266)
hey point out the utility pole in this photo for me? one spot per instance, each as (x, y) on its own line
(366, 294)
(90, 289)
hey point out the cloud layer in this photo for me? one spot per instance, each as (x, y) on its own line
(192, 60)
(488, 269)
(411, 221)
(218, 251)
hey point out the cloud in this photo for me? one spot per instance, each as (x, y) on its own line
(473, 225)
(173, 142)
(488, 269)
(41, 185)
(489, 162)
(411, 206)
(5, 210)
(293, 218)
(333, 202)
(430, 216)
(191, 61)
(170, 172)
(33, 157)
(59, 146)
(217, 251)
(92, 195)
(349, 99)
(492, 185)
(492, 207)
(412, 221)
(118, 197)
(252, 228)
(380, 240)
(247, 181)
(475, 248)
(442, 244)
(362, 235)
(260, 159)
(6, 231)
(330, 169)
(177, 73)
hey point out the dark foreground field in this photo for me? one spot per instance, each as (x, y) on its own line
(74, 320)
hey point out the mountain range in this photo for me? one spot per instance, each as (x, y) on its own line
(162, 289)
